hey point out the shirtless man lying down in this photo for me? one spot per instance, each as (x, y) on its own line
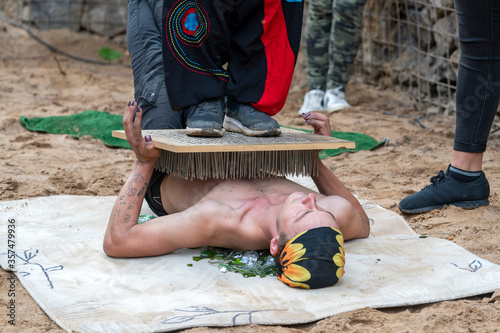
(303, 228)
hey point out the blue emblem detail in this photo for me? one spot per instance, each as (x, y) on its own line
(191, 22)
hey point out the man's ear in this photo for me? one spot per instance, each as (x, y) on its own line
(273, 247)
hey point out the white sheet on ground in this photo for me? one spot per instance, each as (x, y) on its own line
(60, 262)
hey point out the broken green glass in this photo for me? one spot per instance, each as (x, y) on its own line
(246, 263)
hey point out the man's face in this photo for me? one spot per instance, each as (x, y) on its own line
(300, 213)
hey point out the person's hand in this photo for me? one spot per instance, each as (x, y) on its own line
(319, 122)
(144, 149)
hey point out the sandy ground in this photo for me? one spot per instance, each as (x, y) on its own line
(35, 82)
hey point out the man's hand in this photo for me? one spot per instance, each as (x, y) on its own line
(144, 149)
(319, 122)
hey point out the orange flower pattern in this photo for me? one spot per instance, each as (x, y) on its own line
(313, 259)
(293, 274)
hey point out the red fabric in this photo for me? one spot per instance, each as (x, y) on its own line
(280, 59)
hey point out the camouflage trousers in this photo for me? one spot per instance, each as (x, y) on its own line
(333, 35)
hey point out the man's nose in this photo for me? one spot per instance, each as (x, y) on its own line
(310, 201)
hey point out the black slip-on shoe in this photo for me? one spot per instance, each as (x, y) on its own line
(246, 119)
(206, 119)
(445, 190)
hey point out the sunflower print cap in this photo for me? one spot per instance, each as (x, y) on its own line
(313, 259)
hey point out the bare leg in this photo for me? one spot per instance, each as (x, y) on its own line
(467, 161)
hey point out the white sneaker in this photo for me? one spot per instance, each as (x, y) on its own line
(334, 100)
(312, 101)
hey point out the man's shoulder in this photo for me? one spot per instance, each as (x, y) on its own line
(333, 203)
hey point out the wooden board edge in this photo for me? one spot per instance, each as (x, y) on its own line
(337, 144)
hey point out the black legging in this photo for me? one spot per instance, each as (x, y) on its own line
(478, 83)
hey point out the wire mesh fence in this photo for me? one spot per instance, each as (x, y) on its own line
(413, 45)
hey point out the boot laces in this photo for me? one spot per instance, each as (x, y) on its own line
(435, 180)
(207, 107)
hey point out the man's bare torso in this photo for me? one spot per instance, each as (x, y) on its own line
(250, 204)
(179, 194)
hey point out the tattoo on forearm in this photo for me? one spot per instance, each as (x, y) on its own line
(142, 190)
(132, 198)
(131, 191)
(135, 203)
(138, 178)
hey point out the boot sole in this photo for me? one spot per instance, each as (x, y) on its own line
(205, 132)
(461, 204)
(234, 125)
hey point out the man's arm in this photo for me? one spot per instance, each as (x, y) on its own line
(124, 237)
(126, 210)
(326, 181)
(357, 223)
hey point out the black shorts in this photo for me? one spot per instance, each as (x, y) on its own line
(153, 193)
